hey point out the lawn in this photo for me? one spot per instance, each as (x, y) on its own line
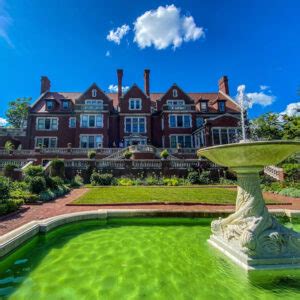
(118, 194)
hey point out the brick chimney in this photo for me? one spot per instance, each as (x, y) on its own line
(147, 82)
(223, 85)
(45, 84)
(120, 79)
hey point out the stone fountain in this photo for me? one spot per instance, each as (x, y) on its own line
(251, 236)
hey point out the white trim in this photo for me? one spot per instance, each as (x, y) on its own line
(230, 99)
(135, 100)
(224, 115)
(88, 135)
(88, 125)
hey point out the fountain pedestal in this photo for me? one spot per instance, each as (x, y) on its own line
(251, 236)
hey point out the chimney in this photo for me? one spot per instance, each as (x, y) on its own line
(45, 84)
(223, 85)
(147, 82)
(120, 78)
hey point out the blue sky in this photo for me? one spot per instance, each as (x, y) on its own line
(255, 43)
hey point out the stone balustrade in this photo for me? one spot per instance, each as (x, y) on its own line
(274, 172)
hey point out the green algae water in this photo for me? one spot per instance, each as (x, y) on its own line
(133, 259)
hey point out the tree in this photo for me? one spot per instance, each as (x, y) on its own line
(17, 112)
(291, 127)
(267, 127)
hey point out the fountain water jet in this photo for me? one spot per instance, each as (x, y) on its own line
(251, 236)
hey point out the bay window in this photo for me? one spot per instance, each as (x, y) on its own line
(224, 135)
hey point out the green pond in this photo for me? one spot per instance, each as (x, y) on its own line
(134, 259)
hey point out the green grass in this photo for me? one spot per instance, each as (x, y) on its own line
(117, 194)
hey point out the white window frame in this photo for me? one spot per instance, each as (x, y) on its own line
(52, 103)
(176, 120)
(88, 120)
(94, 93)
(72, 119)
(175, 93)
(43, 138)
(220, 135)
(184, 136)
(135, 101)
(172, 102)
(94, 137)
(219, 106)
(44, 121)
(93, 102)
(206, 106)
(131, 124)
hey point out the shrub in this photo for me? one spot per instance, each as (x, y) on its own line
(101, 179)
(204, 177)
(77, 181)
(4, 188)
(37, 184)
(164, 154)
(127, 154)
(33, 171)
(9, 146)
(152, 180)
(10, 206)
(173, 181)
(91, 154)
(227, 181)
(290, 192)
(9, 170)
(23, 195)
(291, 171)
(125, 181)
(57, 168)
(193, 177)
(47, 195)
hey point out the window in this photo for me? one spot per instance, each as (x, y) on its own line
(49, 104)
(203, 106)
(176, 104)
(50, 123)
(94, 102)
(180, 121)
(199, 139)
(94, 93)
(175, 93)
(91, 121)
(224, 135)
(199, 122)
(91, 141)
(46, 142)
(184, 141)
(135, 104)
(135, 125)
(221, 105)
(72, 122)
(66, 104)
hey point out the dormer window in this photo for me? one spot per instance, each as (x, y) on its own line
(49, 104)
(135, 104)
(221, 105)
(175, 93)
(66, 104)
(203, 106)
(94, 93)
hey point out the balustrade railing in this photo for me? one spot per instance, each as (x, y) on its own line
(274, 172)
(178, 107)
(12, 131)
(91, 107)
(17, 163)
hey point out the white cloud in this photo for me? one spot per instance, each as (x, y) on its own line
(164, 27)
(3, 122)
(292, 109)
(264, 87)
(117, 35)
(5, 22)
(108, 54)
(260, 98)
(113, 88)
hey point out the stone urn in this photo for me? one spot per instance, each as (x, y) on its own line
(251, 236)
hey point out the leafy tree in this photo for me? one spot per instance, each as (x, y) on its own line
(266, 126)
(291, 127)
(17, 112)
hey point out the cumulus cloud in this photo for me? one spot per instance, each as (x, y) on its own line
(5, 22)
(113, 88)
(292, 109)
(164, 27)
(3, 122)
(261, 98)
(117, 35)
(264, 87)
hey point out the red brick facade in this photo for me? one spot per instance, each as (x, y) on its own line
(95, 119)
